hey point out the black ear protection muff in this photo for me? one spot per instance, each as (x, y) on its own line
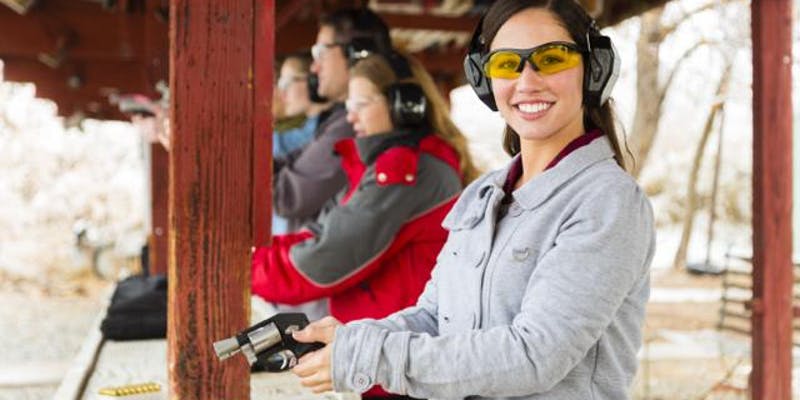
(473, 68)
(313, 87)
(407, 102)
(601, 67)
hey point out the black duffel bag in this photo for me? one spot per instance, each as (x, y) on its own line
(138, 309)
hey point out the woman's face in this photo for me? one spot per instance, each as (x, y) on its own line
(367, 109)
(293, 89)
(538, 107)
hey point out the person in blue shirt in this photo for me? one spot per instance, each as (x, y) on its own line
(298, 119)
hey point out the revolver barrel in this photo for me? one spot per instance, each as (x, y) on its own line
(226, 347)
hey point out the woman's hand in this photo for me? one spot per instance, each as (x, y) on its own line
(314, 369)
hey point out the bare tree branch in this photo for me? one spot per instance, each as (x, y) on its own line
(679, 261)
(662, 91)
(669, 29)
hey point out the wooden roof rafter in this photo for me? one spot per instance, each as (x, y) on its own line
(86, 50)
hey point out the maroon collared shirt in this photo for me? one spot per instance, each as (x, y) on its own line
(515, 172)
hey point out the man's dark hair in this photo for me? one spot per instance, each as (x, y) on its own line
(349, 23)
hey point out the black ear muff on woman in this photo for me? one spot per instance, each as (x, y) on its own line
(406, 98)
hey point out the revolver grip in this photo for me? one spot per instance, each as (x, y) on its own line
(303, 348)
(286, 358)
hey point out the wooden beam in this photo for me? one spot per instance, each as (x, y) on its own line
(79, 87)
(159, 196)
(89, 34)
(211, 180)
(155, 60)
(155, 68)
(264, 58)
(288, 12)
(771, 376)
(106, 51)
(98, 78)
(430, 22)
(295, 36)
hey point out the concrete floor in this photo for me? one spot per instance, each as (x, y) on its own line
(40, 334)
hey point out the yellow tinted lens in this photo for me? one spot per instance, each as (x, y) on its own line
(555, 59)
(503, 65)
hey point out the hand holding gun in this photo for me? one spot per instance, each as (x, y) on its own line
(269, 345)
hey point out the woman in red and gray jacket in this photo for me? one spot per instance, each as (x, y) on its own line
(371, 252)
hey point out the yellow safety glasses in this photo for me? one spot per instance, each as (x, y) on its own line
(547, 59)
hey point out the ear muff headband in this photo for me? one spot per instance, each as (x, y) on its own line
(601, 68)
(473, 69)
(407, 102)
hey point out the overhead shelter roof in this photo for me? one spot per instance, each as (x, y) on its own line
(80, 52)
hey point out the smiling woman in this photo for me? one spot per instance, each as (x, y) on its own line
(539, 291)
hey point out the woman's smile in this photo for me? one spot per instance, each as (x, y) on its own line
(532, 110)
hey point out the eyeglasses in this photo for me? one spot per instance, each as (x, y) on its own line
(547, 59)
(285, 81)
(318, 50)
(359, 103)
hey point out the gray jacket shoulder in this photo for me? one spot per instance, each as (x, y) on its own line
(473, 193)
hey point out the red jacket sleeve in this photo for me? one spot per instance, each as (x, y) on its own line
(275, 278)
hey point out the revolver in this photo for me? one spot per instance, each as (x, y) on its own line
(269, 345)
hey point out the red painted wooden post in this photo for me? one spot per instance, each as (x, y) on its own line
(771, 377)
(155, 58)
(159, 195)
(264, 56)
(211, 180)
